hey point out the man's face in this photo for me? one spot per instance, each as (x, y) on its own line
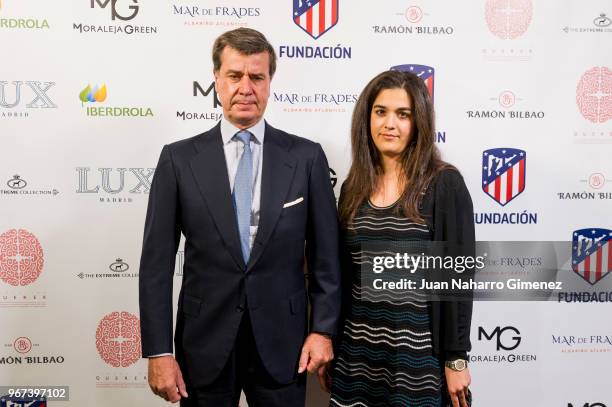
(243, 85)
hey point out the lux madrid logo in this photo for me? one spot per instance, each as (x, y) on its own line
(141, 175)
(498, 332)
(40, 89)
(587, 405)
(115, 13)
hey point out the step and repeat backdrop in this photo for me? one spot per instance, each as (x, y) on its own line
(90, 91)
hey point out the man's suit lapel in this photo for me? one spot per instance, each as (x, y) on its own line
(277, 173)
(210, 172)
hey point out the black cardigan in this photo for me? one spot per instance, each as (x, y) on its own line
(447, 209)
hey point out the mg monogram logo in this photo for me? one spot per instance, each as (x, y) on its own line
(141, 176)
(197, 89)
(587, 405)
(39, 89)
(115, 13)
(498, 332)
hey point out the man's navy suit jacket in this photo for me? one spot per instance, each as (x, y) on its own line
(191, 195)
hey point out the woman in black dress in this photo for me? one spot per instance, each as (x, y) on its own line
(400, 348)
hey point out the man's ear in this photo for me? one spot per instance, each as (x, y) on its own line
(216, 75)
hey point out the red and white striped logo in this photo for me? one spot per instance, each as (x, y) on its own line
(315, 17)
(591, 254)
(503, 173)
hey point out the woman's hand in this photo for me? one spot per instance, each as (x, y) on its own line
(458, 383)
(325, 377)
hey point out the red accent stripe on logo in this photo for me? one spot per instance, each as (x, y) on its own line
(598, 264)
(309, 20)
(297, 20)
(321, 16)
(509, 184)
(521, 175)
(587, 268)
(429, 83)
(497, 189)
(334, 11)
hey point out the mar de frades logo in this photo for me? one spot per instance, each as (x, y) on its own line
(508, 19)
(594, 94)
(118, 339)
(591, 254)
(503, 173)
(21, 257)
(315, 17)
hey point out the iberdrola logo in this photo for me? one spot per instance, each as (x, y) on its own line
(95, 94)
(98, 94)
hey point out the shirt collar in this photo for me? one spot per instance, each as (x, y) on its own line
(228, 130)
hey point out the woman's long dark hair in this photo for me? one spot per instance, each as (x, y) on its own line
(420, 160)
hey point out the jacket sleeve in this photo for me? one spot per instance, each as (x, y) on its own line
(162, 234)
(322, 249)
(454, 225)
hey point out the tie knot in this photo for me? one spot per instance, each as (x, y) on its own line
(244, 136)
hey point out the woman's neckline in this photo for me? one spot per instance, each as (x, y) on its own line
(372, 205)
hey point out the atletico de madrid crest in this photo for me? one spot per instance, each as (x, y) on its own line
(503, 173)
(591, 254)
(315, 17)
(426, 73)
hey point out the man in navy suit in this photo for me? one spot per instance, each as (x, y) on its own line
(253, 203)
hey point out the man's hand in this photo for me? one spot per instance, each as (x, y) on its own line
(317, 351)
(165, 378)
(458, 383)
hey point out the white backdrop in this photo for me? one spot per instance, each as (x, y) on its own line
(76, 163)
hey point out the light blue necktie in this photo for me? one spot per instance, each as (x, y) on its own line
(243, 193)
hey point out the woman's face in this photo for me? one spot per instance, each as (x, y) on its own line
(391, 121)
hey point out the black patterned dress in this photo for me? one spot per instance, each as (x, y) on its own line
(385, 357)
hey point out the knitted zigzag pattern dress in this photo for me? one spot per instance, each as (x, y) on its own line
(385, 356)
